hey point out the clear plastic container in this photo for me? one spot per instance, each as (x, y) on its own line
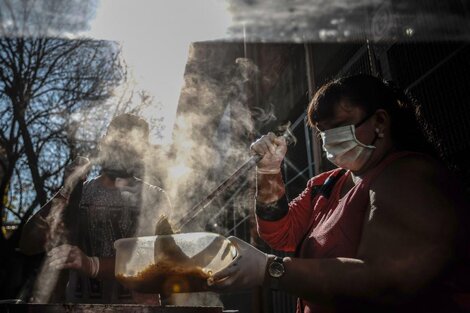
(171, 263)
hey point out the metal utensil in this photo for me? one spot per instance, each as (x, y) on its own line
(244, 168)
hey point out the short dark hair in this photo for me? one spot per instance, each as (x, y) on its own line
(128, 122)
(371, 94)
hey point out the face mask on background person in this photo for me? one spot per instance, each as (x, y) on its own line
(343, 148)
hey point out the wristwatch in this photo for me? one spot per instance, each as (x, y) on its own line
(275, 270)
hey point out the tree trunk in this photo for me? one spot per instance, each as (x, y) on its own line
(3, 192)
(30, 153)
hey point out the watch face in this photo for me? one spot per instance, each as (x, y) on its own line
(276, 269)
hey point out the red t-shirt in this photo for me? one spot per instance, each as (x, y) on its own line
(324, 228)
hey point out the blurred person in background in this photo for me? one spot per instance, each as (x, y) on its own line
(116, 204)
(379, 233)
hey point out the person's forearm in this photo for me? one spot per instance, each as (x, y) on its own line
(270, 188)
(336, 279)
(34, 233)
(271, 202)
(33, 238)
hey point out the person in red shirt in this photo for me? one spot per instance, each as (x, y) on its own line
(378, 233)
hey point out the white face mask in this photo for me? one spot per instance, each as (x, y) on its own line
(344, 150)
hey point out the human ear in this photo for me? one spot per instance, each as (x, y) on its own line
(381, 120)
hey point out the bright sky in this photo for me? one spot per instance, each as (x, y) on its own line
(155, 36)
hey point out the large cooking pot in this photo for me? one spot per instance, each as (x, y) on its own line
(171, 263)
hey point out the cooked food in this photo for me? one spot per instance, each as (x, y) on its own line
(172, 271)
(166, 277)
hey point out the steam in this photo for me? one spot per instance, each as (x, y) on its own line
(212, 140)
(48, 277)
(57, 221)
(265, 116)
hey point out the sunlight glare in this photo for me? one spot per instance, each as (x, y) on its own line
(155, 38)
(178, 171)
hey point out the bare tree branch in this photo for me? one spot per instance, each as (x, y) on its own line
(44, 81)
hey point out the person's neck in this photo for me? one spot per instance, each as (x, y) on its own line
(358, 175)
(106, 181)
